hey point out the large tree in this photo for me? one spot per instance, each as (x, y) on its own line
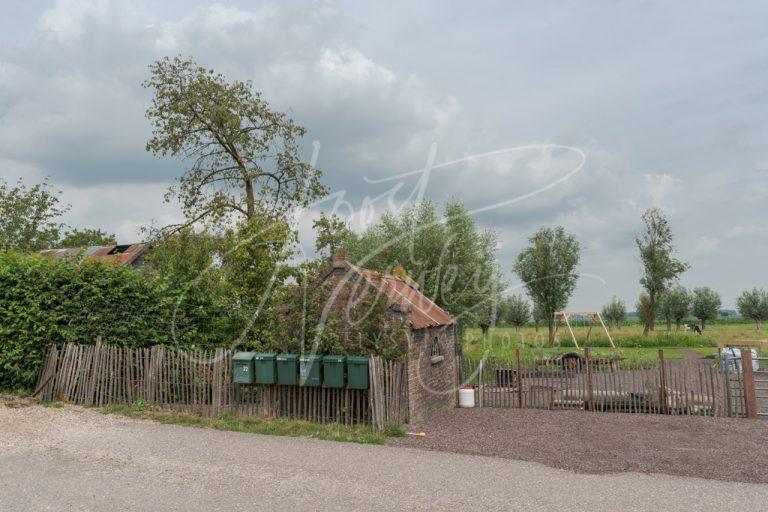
(660, 267)
(245, 156)
(28, 216)
(675, 304)
(753, 304)
(705, 304)
(548, 269)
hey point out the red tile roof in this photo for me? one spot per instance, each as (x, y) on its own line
(424, 312)
(120, 255)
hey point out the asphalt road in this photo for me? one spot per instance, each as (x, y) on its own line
(73, 459)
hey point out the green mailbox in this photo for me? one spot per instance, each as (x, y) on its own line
(265, 368)
(357, 372)
(287, 369)
(333, 371)
(309, 370)
(242, 368)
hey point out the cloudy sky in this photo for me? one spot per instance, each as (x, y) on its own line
(664, 101)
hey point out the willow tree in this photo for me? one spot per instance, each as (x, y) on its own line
(660, 268)
(548, 269)
(245, 155)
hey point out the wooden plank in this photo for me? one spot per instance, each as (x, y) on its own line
(663, 383)
(588, 363)
(750, 400)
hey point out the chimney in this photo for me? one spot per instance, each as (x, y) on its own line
(339, 258)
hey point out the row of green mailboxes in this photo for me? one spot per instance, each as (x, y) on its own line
(293, 370)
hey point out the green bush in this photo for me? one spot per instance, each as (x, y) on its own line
(44, 302)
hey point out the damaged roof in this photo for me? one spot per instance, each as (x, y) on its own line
(424, 312)
(120, 255)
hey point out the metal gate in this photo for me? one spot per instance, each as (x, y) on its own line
(745, 389)
(761, 387)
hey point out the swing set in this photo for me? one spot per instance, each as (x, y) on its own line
(592, 315)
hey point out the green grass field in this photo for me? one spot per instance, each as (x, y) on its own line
(631, 344)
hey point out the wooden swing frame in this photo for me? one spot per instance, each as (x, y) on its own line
(593, 315)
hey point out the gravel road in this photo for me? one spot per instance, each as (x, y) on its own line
(734, 449)
(75, 459)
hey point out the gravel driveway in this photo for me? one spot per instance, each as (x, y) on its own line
(720, 448)
(75, 459)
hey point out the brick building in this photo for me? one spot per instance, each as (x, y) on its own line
(430, 336)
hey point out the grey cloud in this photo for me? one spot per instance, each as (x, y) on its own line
(665, 99)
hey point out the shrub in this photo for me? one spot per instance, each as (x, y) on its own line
(43, 302)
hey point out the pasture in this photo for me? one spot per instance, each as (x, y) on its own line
(630, 342)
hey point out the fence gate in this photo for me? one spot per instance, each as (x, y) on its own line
(746, 386)
(761, 387)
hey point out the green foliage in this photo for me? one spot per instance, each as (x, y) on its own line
(660, 267)
(674, 306)
(548, 269)
(86, 238)
(452, 261)
(227, 279)
(705, 304)
(312, 316)
(615, 312)
(245, 155)
(753, 304)
(515, 310)
(44, 302)
(332, 233)
(27, 216)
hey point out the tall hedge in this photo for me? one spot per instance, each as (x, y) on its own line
(44, 302)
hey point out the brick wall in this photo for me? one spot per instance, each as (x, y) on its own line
(431, 380)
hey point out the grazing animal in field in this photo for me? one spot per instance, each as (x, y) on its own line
(693, 327)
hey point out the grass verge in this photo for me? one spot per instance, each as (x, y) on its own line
(276, 427)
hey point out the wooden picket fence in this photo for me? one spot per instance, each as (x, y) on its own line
(200, 382)
(678, 387)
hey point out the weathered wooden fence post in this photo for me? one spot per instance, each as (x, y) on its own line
(750, 398)
(519, 379)
(590, 394)
(480, 383)
(663, 383)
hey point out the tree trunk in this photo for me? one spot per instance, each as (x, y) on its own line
(551, 325)
(651, 314)
(669, 324)
(703, 323)
(249, 200)
(485, 329)
(517, 328)
(759, 324)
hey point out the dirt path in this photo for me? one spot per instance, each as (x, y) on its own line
(688, 355)
(719, 448)
(74, 459)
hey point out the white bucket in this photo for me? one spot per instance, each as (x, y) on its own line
(467, 397)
